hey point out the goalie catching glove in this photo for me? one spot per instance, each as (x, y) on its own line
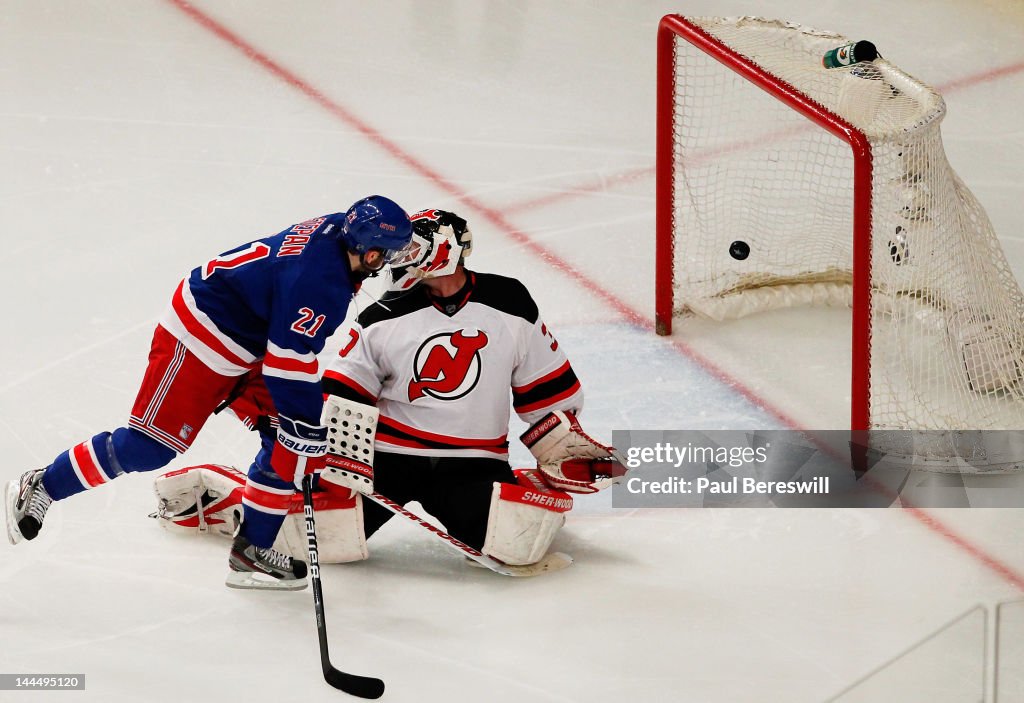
(568, 458)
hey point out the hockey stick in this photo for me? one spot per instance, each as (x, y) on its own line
(361, 686)
(552, 562)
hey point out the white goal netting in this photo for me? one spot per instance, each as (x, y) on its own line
(946, 330)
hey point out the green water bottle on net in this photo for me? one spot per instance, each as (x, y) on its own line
(849, 54)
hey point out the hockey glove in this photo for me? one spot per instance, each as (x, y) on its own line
(300, 449)
(570, 460)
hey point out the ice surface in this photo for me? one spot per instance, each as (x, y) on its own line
(136, 143)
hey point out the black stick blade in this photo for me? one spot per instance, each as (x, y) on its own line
(361, 686)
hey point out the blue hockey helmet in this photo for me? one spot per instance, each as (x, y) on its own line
(376, 223)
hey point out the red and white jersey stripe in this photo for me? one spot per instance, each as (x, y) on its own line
(290, 365)
(197, 331)
(398, 437)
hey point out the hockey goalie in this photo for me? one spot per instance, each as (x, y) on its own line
(418, 410)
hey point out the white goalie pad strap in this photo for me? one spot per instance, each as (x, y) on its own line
(351, 428)
(339, 528)
(199, 499)
(524, 519)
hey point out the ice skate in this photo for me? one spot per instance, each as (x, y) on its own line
(27, 502)
(254, 567)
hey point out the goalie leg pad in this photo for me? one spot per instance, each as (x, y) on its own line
(208, 499)
(199, 499)
(341, 537)
(524, 519)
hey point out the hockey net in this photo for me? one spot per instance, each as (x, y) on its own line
(837, 182)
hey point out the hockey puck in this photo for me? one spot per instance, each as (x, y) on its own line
(739, 250)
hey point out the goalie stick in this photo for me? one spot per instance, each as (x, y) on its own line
(361, 686)
(552, 562)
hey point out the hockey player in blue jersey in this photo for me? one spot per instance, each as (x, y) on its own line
(271, 303)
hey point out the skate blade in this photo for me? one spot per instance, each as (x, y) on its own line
(556, 561)
(11, 493)
(262, 582)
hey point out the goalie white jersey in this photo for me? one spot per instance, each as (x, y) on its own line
(442, 371)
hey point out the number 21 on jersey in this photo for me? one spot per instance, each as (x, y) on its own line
(303, 326)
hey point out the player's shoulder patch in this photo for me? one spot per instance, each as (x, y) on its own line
(505, 294)
(388, 308)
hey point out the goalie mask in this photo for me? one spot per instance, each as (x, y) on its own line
(440, 242)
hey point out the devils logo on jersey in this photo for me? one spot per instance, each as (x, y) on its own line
(447, 365)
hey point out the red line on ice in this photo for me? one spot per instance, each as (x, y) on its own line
(613, 180)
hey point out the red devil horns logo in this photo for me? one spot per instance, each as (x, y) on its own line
(447, 366)
(433, 214)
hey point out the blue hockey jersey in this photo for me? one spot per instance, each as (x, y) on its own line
(274, 300)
